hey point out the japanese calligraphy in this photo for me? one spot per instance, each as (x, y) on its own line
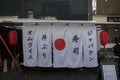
(90, 51)
(30, 40)
(75, 39)
(90, 58)
(30, 44)
(30, 51)
(76, 50)
(44, 46)
(90, 39)
(90, 32)
(29, 32)
(90, 45)
(30, 57)
(44, 37)
(44, 55)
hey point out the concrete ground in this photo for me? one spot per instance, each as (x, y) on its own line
(49, 74)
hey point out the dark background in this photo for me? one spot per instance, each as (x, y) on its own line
(61, 9)
(9, 7)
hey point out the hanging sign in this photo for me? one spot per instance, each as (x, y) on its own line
(44, 46)
(109, 72)
(90, 46)
(30, 45)
(60, 46)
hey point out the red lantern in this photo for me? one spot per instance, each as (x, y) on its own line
(12, 37)
(103, 37)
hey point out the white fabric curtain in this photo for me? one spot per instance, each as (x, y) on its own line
(60, 46)
(44, 45)
(29, 44)
(73, 46)
(90, 46)
(74, 54)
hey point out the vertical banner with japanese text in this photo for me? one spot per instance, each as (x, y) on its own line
(90, 46)
(44, 45)
(29, 44)
(73, 46)
(75, 57)
(60, 43)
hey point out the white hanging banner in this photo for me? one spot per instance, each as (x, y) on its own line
(74, 55)
(60, 46)
(44, 46)
(90, 46)
(29, 44)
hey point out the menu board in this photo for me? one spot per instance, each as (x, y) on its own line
(109, 72)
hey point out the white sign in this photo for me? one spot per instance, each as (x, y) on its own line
(109, 72)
